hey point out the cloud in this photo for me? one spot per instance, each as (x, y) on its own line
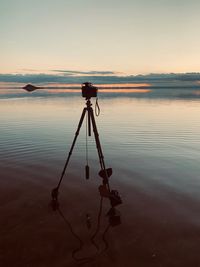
(72, 72)
(102, 77)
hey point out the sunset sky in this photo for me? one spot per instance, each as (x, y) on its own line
(126, 37)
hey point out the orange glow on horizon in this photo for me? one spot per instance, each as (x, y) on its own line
(63, 90)
(127, 85)
(125, 90)
(77, 85)
(113, 85)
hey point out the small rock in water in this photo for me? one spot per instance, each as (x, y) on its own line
(30, 87)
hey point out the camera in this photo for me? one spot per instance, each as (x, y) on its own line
(89, 90)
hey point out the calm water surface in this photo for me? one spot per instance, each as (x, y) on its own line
(151, 142)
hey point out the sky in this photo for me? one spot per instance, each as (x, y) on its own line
(124, 37)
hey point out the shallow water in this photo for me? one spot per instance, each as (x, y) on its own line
(152, 143)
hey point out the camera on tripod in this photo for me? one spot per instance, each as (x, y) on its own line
(89, 90)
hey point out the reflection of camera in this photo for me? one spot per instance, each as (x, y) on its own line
(114, 217)
(89, 90)
(115, 198)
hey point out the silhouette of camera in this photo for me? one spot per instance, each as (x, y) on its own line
(89, 90)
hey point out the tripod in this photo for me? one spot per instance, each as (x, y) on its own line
(104, 173)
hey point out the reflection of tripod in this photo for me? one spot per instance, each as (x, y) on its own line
(104, 173)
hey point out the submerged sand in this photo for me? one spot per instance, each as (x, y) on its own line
(152, 232)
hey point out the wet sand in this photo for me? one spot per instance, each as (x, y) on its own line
(152, 233)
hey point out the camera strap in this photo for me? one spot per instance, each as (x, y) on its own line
(97, 108)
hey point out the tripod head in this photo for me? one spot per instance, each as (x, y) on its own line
(89, 90)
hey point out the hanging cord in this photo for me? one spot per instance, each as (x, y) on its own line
(97, 108)
(105, 240)
(86, 140)
(81, 260)
(98, 224)
(87, 168)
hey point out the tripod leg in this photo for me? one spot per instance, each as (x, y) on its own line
(72, 146)
(89, 124)
(96, 135)
(98, 145)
